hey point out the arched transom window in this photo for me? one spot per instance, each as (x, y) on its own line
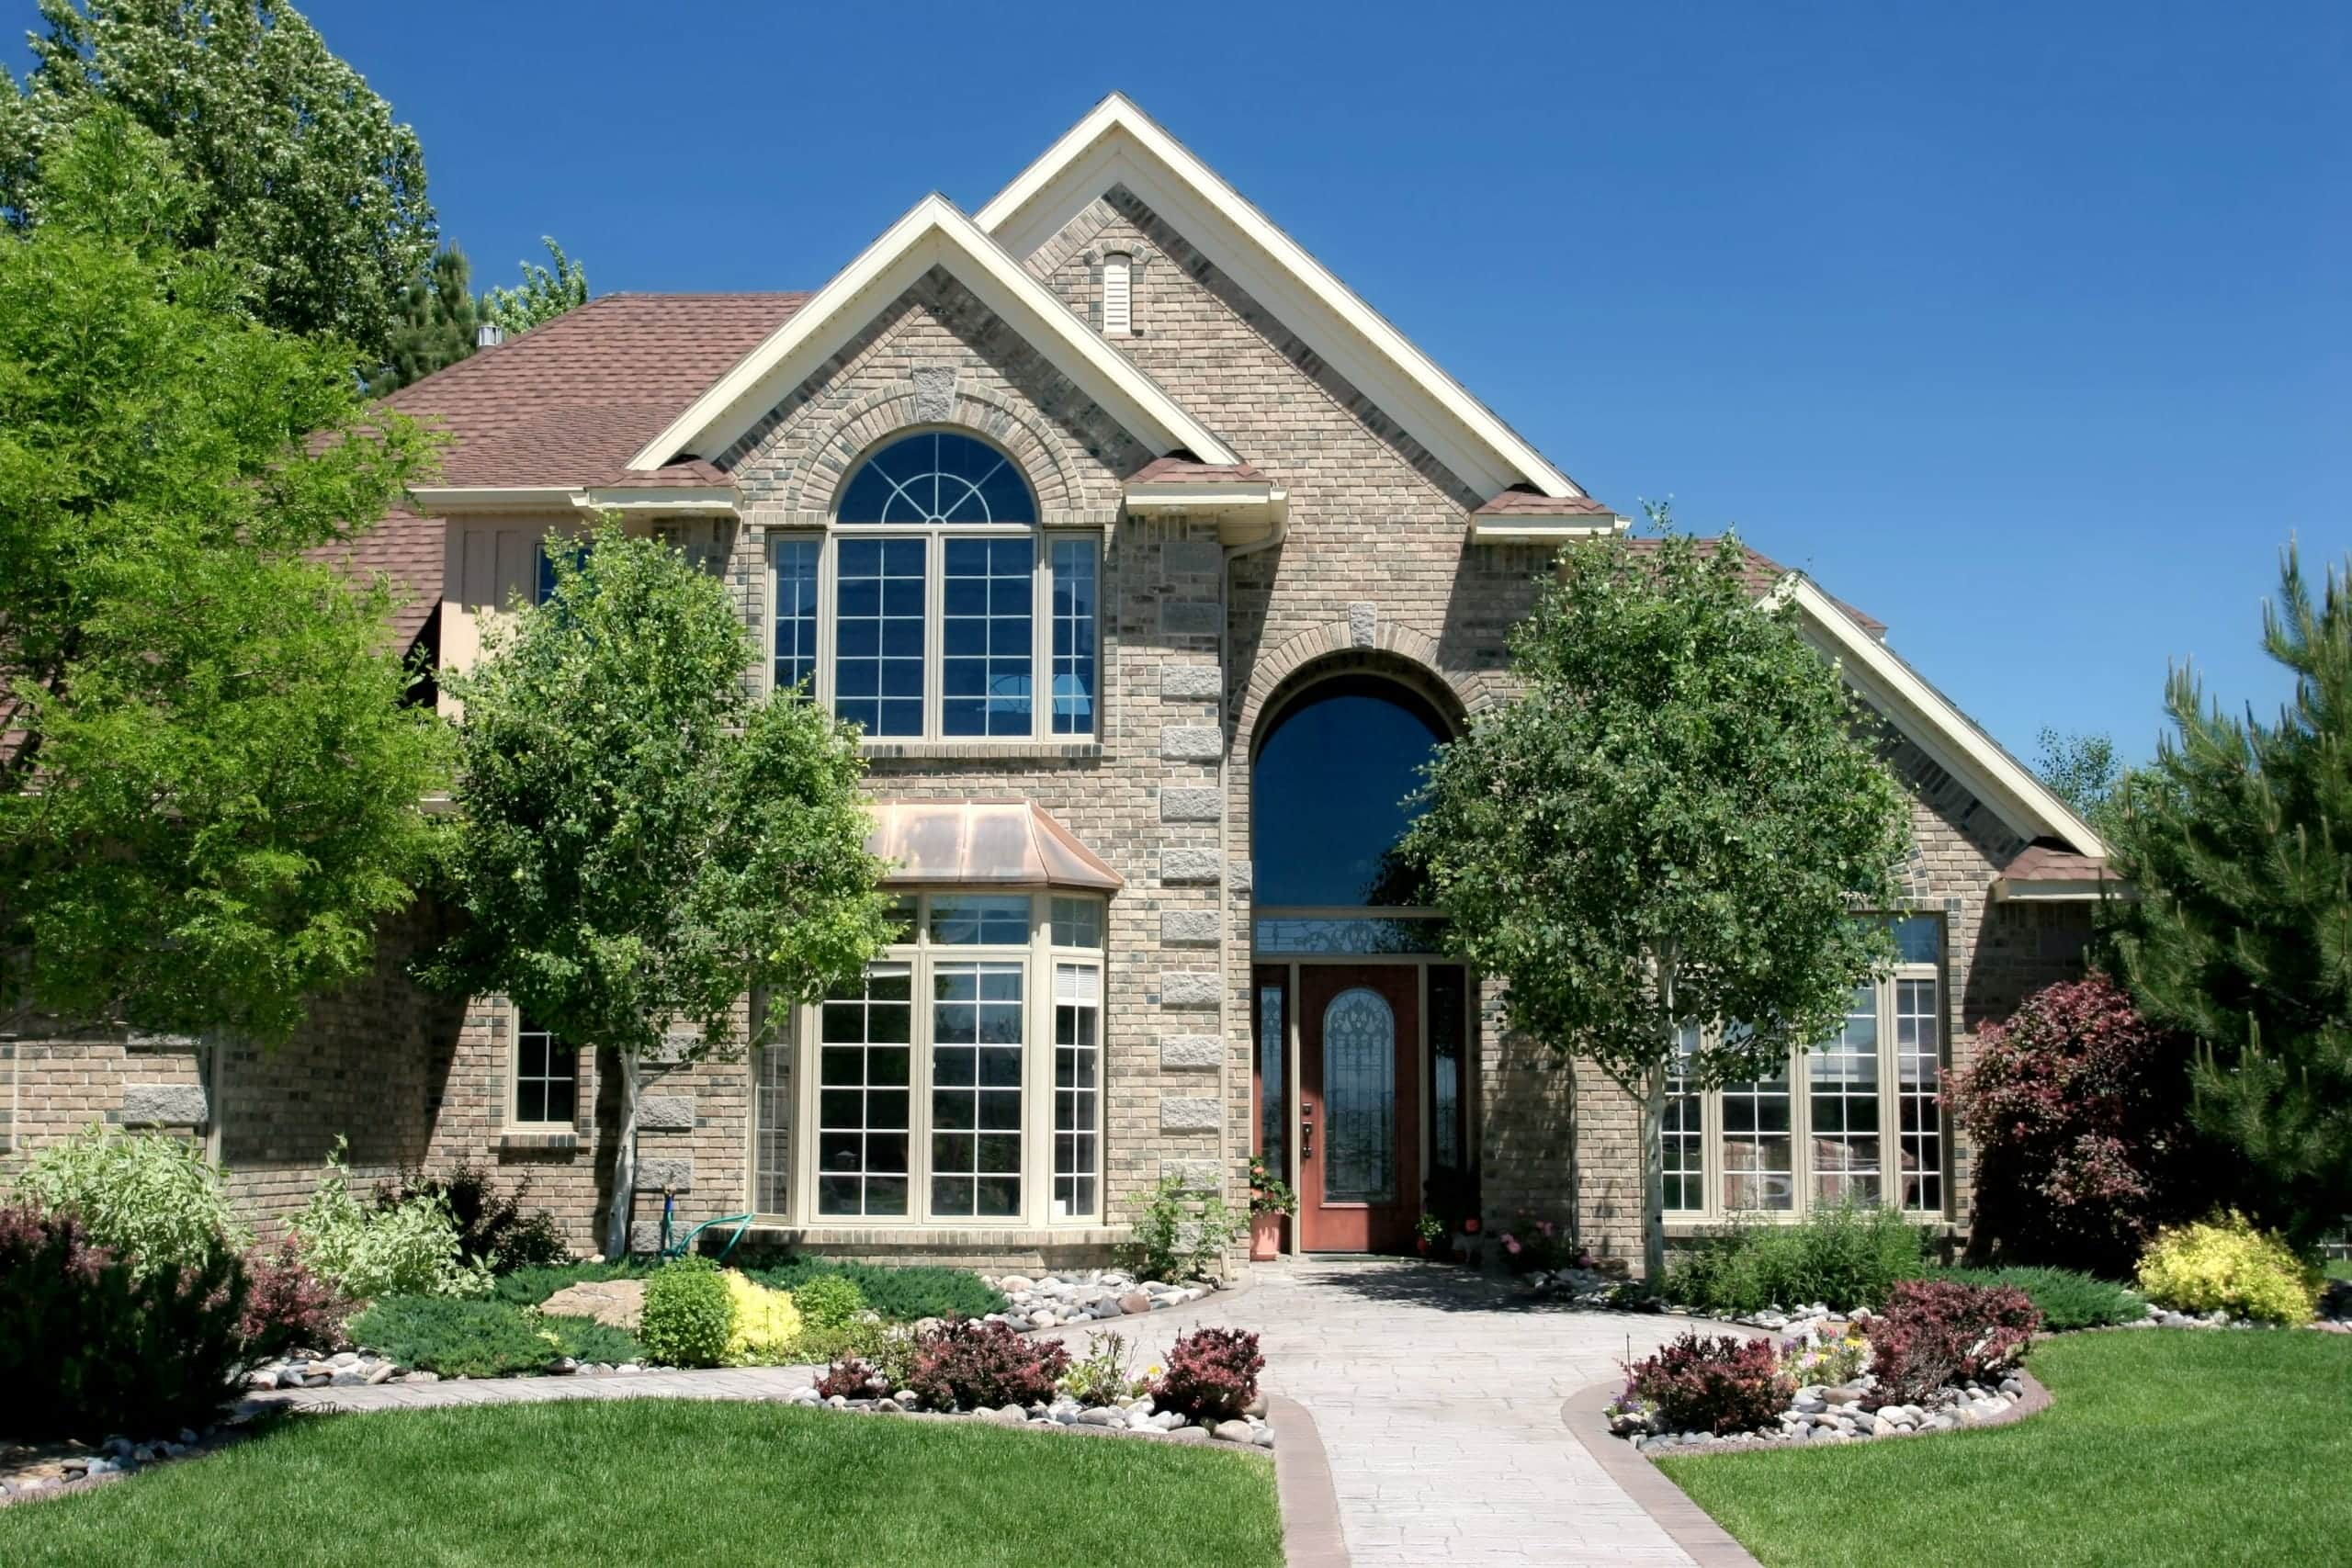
(936, 607)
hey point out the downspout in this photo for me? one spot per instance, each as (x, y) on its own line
(1225, 838)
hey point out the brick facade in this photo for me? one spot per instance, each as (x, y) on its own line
(1199, 648)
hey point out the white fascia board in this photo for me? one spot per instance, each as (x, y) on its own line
(1117, 143)
(932, 233)
(1161, 497)
(434, 500)
(1526, 530)
(1929, 718)
(2078, 890)
(700, 499)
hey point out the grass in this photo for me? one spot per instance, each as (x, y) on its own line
(2339, 1267)
(650, 1481)
(2163, 1446)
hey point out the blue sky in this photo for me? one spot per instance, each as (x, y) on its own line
(2025, 328)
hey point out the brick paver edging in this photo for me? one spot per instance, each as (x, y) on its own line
(1310, 1507)
(1692, 1527)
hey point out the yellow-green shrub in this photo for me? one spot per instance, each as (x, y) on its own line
(2224, 1264)
(764, 1324)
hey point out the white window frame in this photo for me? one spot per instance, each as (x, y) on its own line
(513, 1107)
(1039, 957)
(1886, 992)
(934, 537)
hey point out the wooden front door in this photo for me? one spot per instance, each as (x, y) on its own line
(1359, 1110)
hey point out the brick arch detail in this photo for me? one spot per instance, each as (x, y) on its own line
(1047, 459)
(1392, 646)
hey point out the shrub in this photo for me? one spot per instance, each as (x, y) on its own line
(851, 1378)
(150, 1198)
(1212, 1374)
(2224, 1264)
(965, 1364)
(2079, 1108)
(1104, 1375)
(460, 1337)
(91, 1346)
(411, 1248)
(288, 1307)
(763, 1326)
(689, 1313)
(1844, 1257)
(1177, 1236)
(1531, 1244)
(828, 1303)
(899, 1294)
(1939, 1332)
(1718, 1384)
(2065, 1299)
(491, 1228)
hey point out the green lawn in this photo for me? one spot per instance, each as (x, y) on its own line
(2339, 1267)
(2163, 1446)
(650, 1481)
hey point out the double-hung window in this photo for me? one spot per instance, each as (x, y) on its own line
(960, 1081)
(937, 607)
(547, 1077)
(1854, 1120)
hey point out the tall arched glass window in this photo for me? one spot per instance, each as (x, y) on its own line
(1330, 790)
(944, 604)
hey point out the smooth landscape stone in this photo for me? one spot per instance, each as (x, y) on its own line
(1233, 1431)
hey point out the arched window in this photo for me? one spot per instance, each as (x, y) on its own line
(935, 602)
(937, 476)
(1329, 788)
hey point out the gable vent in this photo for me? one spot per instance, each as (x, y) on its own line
(1118, 294)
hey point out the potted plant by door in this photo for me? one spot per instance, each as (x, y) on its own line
(1428, 1234)
(1271, 1199)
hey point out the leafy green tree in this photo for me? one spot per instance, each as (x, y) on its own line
(436, 325)
(300, 170)
(1676, 823)
(643, 845)
(209, 778)
(2081, 770)
(546, 293)
(2239, 844)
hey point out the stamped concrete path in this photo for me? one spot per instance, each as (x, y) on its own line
(1437, 1395)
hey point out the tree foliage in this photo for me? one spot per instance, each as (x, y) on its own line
(643, 842)
(2081, 770)
(2239, 844)
(209, 798)
(545, 294)
(1675, 823)
(299, 171)
(435, 326)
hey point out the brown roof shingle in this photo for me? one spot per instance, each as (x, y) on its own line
(1520, 502)
(567, 402)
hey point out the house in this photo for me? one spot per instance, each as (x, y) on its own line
(1152, 561)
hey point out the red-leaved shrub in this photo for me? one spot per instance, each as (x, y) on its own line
(289, 1307)
(967, 1364)
(1711, 1383)
(852, 1377)
(1935, 1332)
(2079, 1109)
(1212, 1374)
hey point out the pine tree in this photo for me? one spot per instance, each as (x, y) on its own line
(435, 325)
(2239, 845)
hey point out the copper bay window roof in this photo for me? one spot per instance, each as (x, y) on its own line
(998, 843)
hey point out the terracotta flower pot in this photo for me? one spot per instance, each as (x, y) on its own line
(1265, 1237)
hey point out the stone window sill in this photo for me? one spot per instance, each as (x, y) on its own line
(971, 750)
(538, 1140)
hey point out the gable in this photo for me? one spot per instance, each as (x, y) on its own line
(932, 235)
(1118, 145)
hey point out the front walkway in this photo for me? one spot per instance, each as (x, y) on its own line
(1437, 1395)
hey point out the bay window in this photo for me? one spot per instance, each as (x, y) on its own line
(1854, 1120)
(936, 606)
(959, 1082)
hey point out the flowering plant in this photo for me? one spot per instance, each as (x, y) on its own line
(1269, 1194)
(1535, 1244)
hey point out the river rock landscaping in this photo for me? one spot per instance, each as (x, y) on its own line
(1054, 1301)
(1136, 1418)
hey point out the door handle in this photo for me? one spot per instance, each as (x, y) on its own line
(1306, 1132)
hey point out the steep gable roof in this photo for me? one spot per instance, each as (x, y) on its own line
(932, 234)
(1118, 144)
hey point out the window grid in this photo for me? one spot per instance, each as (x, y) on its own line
(1918, 1083)
(1077, 922)
(1073, 634)
(975, 1068)
(1758, 1142)
(792, 600)
(1684, 1133)
(1842, 1116)
(772, 1157)
(1078, 1087)
(864, 1098)
(879, 642)
(986, 636)
(546, 1076)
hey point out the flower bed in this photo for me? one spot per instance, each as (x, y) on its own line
(1943, 1356)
